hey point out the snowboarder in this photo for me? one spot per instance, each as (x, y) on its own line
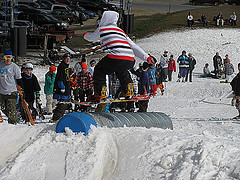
(192, 63)
(48, 89)
(159, 79)
(236, 91)
(31, 90)
(10, 77)
(233, 19)
(61, 90)
(120, 51)
(183, 66)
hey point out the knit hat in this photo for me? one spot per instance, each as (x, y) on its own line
(145, 65)
(52, 68)
(84, 66)
(92, 62)
(8, 52)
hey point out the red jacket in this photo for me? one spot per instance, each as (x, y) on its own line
(172, 65)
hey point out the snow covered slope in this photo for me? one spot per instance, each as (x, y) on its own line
(200, 146)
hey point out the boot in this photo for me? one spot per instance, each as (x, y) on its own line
(130, 91)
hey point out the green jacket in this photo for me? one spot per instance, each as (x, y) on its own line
(49, 82)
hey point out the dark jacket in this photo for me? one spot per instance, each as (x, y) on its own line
(62, 82)
(236, 85)
(215, 61)
(30, 86)
(144, 81)
(192, 63)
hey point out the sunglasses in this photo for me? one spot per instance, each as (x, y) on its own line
(8, 57)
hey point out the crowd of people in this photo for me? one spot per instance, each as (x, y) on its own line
(219, 19)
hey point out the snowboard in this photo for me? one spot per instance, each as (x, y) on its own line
(224, 82)
(25, 106)
(135, 98)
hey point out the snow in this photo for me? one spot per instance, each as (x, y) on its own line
(199, 147)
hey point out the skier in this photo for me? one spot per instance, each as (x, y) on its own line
(31, 90)
(61, 90)
(236, 91)
(183, 66)
(48, 89)
(10, 77)
(144, 88)
(85, 84)
(164, 65)
(216, 61)
(120, 51)
(228, 69)
(171, 67)
(192, 63)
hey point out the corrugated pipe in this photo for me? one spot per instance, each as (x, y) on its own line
(81, 122)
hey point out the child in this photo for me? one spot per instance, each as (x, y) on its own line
(228, 69)
(236, 91)
(48, 89)
(144, 87)
(171, 67)
(152, 79)
(85, 84)
(159, 78)
(31, 89)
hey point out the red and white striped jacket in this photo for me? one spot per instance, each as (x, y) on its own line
(113, 40)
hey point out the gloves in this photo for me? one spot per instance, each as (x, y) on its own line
(62, 90)
(150, 60)
(38, 101)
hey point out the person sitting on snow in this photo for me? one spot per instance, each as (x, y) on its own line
(120, 52)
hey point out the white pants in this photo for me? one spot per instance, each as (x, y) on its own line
(50, 103)
(220, 22)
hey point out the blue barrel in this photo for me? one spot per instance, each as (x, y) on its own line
(76, 121)
(81, 122)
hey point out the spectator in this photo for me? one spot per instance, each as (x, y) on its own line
(190, 19)
(92, 66)
(219, 19)
(9, 79)
(48, 89)
(228, 69)
(31, 90)
(233, 19)
(236, 91)
(183, 66)
(204, 20)
(152, 79)
(61, 90)
(192, 63)
(144, 88)
(206, 71)
(164, 65)
(159, 79)
(85, 84)
(217, 60)
(171, 67)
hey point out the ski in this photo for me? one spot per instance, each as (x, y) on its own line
(135, 98)
(25, 106)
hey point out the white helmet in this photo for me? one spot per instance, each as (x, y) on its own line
(29, 66)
